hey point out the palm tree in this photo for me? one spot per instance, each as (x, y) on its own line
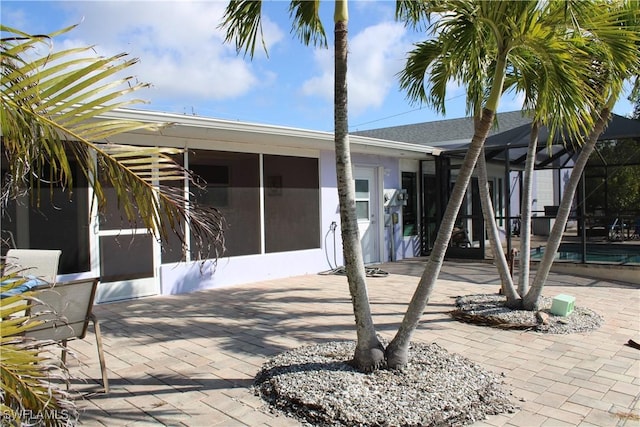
(242, 23)
(51, 109)
(556, 97)
(474, 42)
(613, 34)
(499, 257)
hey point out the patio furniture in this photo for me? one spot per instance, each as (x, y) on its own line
(67, 309)
(41, 263)
(37, 265)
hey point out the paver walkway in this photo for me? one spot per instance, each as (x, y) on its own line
(190, 359)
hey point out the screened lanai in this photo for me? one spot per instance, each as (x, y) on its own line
(604, 225)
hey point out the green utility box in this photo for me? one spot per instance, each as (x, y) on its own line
(562, 305)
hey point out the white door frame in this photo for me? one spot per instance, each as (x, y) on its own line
(376, 211)
(126, 288)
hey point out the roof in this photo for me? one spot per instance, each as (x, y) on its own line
(444, 133)
(255, 136)
(511, 135)
(550, 154)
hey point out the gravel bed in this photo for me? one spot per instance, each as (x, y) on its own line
(317, 386)
(490, 310)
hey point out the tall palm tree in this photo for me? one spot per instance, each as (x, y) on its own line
(491, 226)
(555, 95)
(242, 23)
(473, 42)
(613, 34)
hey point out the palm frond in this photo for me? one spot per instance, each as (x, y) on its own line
(31, 379)
(306, 23)
(242, 21)
(53, 110)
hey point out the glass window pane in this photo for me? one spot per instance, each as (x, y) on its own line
(232, 185)
(291, 203)
(362, 210)
(362, 189)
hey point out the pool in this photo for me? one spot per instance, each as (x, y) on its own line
(596, 253)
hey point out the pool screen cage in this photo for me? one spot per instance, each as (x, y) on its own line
(604, 224)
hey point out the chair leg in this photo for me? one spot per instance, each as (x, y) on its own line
(64, 351)
(64, 358)
(103, 366)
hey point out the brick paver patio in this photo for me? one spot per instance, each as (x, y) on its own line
(190, 359)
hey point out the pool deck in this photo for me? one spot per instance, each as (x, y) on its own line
(189, 360)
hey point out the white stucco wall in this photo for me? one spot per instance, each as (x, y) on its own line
(194, 276)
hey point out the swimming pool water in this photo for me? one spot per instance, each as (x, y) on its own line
(615, 254)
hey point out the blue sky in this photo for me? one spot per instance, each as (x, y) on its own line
(192, 71)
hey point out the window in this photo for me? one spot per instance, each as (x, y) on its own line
(362, 199)
(61, 221)
(291, 203)
(231, 184)
(173, 249)
(409, 210)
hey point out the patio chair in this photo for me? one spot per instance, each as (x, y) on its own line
(67, 310)
(41, 263)
(37, 265)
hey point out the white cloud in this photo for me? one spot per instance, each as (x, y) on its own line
(376, 55)
(179, 44)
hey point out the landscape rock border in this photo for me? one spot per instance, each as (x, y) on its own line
(491, 310)
(317, 385)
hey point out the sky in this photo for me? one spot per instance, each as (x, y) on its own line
(192, 71)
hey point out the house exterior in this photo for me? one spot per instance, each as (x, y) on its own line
(592, 218)
(450, 138)
(276, 187)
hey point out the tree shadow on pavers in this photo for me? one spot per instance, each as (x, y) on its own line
(159, 416)
(240, 320)
(480, 273)
(121, 388)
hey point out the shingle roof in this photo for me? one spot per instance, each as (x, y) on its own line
(443, 132)
(512, 132)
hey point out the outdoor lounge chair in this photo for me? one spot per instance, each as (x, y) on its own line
(40, 263)
(67, 309)
(36, 265)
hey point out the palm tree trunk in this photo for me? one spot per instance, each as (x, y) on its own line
(525, 212)
(397, 351)
(369, 352)
(532, 298)
(508, 289)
